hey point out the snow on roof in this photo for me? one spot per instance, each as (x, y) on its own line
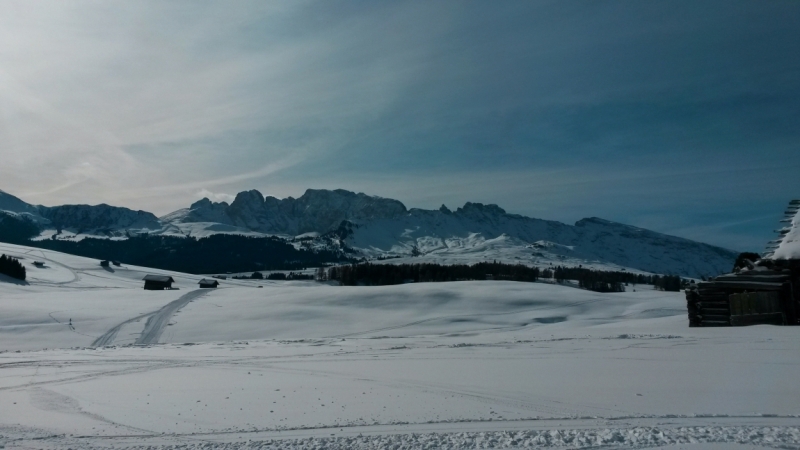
(159, 278)
(788, 246)
(206, 281)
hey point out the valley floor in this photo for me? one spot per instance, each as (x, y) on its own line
(307, 365)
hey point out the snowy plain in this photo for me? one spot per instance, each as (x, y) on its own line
(88, 359)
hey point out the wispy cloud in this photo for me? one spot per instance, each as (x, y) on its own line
(215, 196)
(618, 109)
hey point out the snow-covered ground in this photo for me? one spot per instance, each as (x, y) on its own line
(439, 365)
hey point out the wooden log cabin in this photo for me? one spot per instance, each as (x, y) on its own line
(205, 283)
(158, 282)
(766, 291)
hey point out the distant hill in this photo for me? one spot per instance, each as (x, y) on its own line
(382, 229)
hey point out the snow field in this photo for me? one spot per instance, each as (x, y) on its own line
(434, 365)
(639, 437)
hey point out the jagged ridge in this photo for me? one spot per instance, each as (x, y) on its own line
(378, 227)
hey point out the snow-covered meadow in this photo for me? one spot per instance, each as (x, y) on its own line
(90, 360)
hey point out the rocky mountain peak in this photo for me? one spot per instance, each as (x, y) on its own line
(473, 209)
(592, 221)
(202, 203)
(341, 197)
(203, 210)
(247, 199)
(99, 217)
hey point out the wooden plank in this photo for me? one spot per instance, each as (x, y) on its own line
(713, 301)
(708, 303)
(706, 309)
(714, 298)
(716, 311)
(758, 319)
(715, 317)
(781, 278)
(722, 295)
(762, 302)
(750, 285)
(710, 323)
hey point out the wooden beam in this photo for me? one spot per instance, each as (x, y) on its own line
(758, 319)
(750, 285)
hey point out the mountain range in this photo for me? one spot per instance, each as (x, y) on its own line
(382, 229)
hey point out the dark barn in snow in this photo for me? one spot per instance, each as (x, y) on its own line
(765, 291)
(205, 283)
(157, 282)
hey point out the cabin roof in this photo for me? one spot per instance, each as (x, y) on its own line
(207, 281)
(788, 245)
(159, 278)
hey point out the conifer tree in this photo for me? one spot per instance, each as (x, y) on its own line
(12, 267)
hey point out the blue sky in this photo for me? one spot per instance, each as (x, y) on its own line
(682, 116)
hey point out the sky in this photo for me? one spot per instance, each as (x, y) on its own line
(682, 117)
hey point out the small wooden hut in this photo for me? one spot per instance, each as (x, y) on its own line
(157, 282)
(766, 291)
(205, 283)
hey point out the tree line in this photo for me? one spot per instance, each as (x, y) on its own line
(17, 229)
(275, 276)
(615, 281)
(390, 274)
(218, 253)
(12, 267)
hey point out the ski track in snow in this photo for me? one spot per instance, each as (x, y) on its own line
(108, 337)
(158, 321)
(75, 276)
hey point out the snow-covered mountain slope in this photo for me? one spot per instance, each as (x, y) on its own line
(379, 228)
(100, 220)
(10, 204)
(477, 232)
